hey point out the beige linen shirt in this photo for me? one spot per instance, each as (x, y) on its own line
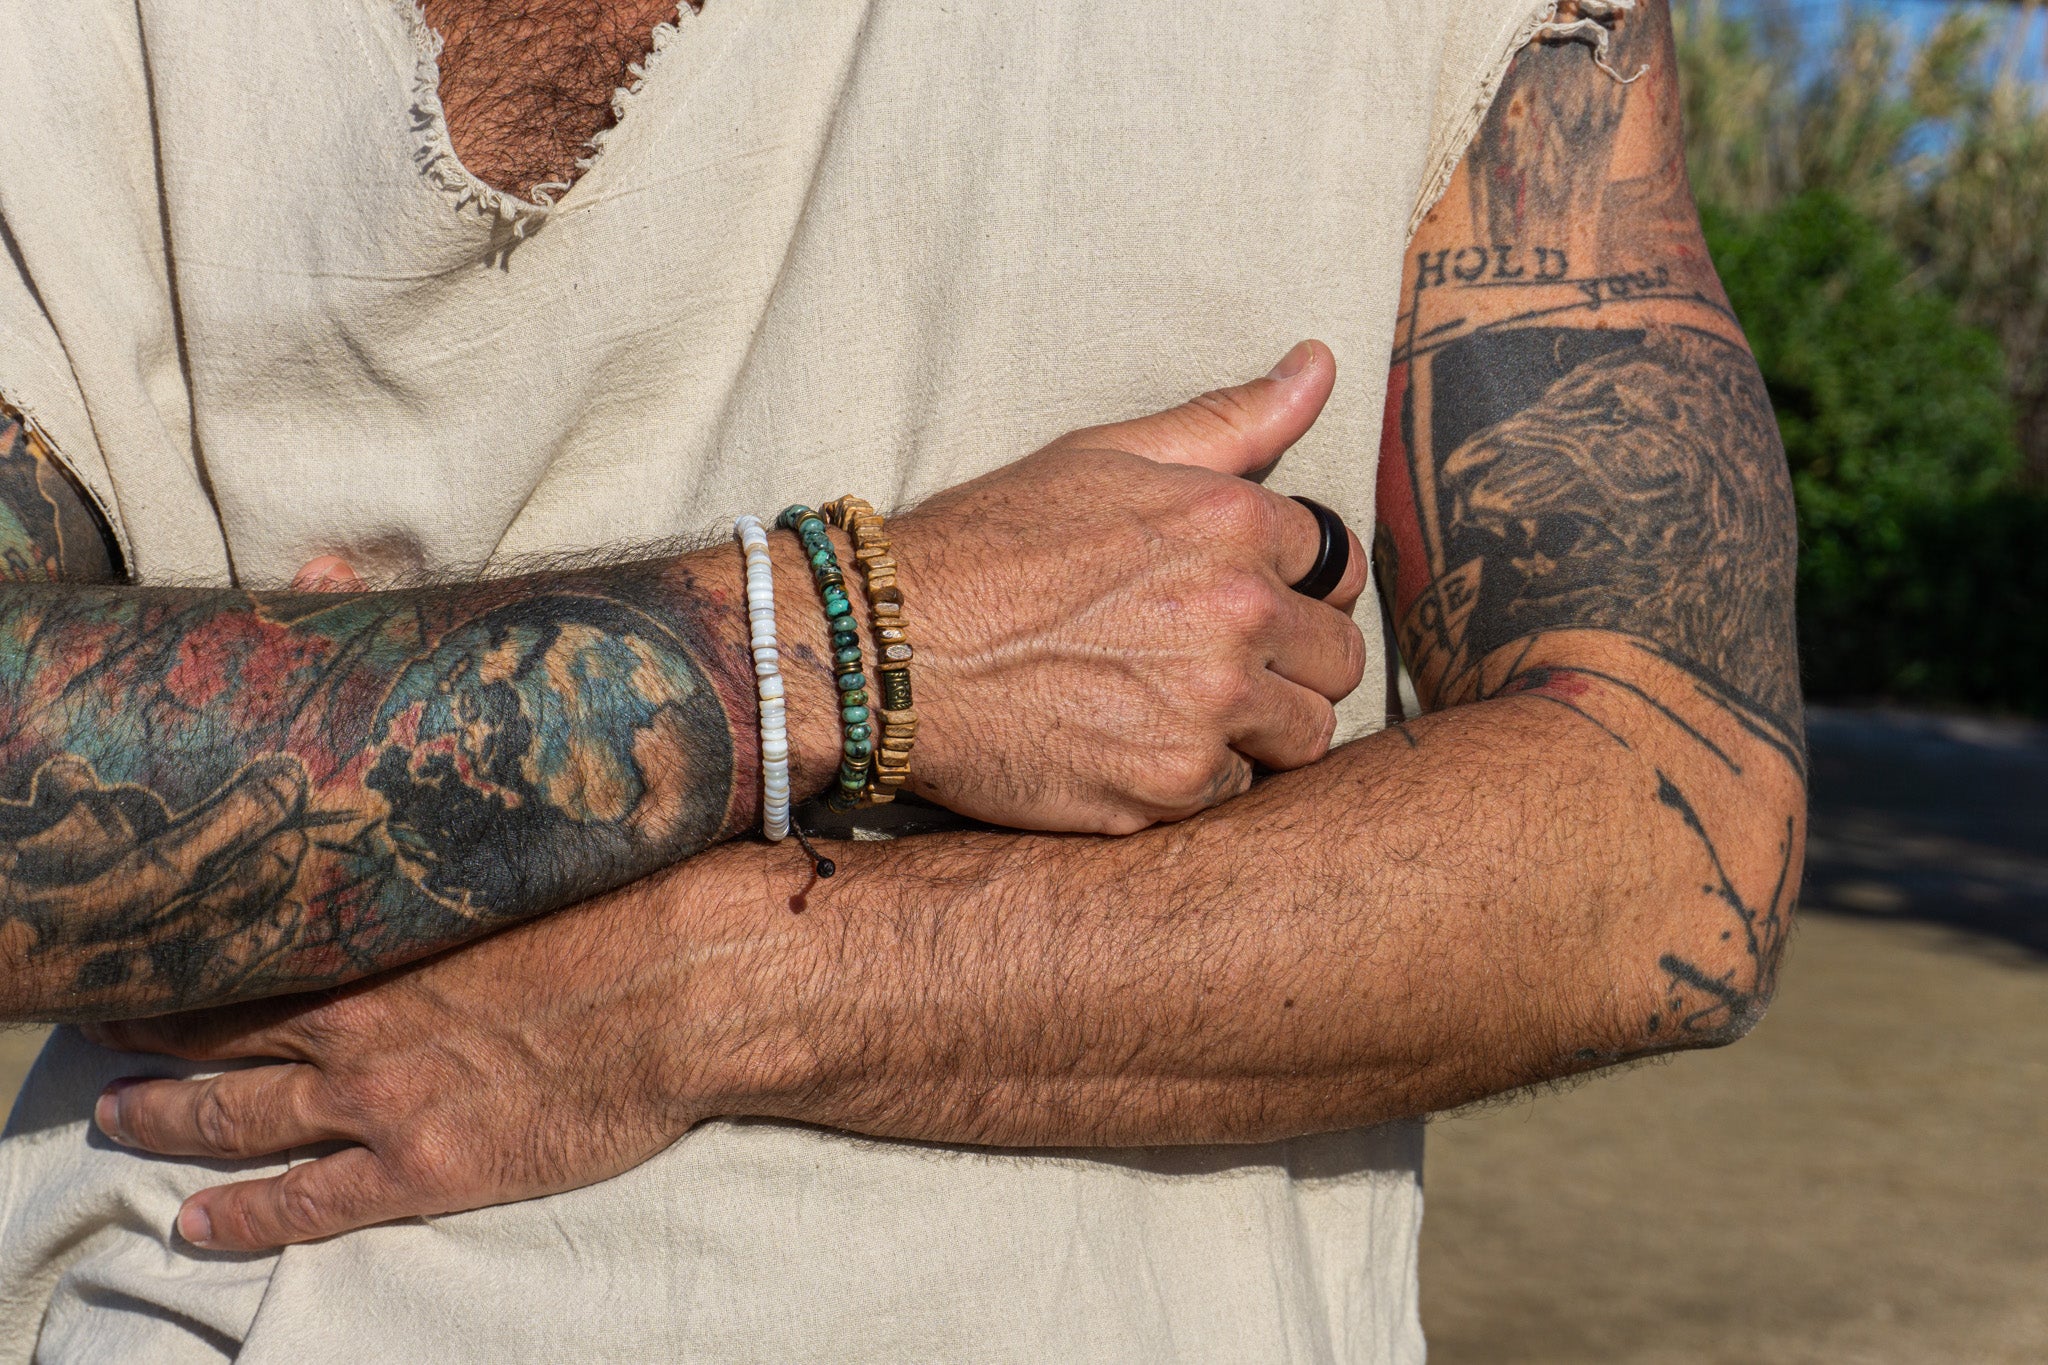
(255, 301)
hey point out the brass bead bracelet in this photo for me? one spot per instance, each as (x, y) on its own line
(892, 645)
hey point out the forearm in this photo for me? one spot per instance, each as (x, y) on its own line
(1486, 898)
(221, 794)
(207, 796)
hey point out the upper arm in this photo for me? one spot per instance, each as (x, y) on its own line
(49, 533)
(1579, 451)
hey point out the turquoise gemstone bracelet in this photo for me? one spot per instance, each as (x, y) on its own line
(857, 751)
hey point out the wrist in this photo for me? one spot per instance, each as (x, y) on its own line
(918, 548)
(739, 1035)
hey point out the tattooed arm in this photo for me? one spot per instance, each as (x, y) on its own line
(1587, 851)
(48, 532)
(212, 795)
(1583, 498)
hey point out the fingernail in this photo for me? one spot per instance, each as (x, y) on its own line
(194, 1226)
(106, 1112)
(1292, 363)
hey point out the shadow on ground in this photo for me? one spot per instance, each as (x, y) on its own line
(1932, 818)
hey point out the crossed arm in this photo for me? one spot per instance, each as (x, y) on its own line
(1588, 849)
(1585, 851)
(221, 794)
(217, 795)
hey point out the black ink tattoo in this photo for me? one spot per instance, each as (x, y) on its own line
(1478, 267)
(1626, 496)
(1579, 446)
(1718, 1006)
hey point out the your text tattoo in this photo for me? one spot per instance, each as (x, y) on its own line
(1583, 495)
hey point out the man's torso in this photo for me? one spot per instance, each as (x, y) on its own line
(879, 250)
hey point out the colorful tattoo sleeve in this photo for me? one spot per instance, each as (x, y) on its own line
(48, 531)
(208, 795)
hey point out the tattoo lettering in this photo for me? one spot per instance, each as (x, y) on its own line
(1578, 447)
(1620, 288)
(1503, 263)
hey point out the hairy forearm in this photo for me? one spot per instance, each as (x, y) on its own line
(1482, 899)
(222, 794)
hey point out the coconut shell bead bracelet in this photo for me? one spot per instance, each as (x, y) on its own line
(871, 550)
(858, 747)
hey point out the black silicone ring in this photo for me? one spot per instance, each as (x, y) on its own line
(1333, 556)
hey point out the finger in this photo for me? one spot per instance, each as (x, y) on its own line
(327, 573)
(1285, 725)
(1239, 430)
(237, 818)
(1297, 542)
(339, 1193)
(1232, 777)
(255, 1028)
(1344, 597)
(230, 1117)
(1316, 646)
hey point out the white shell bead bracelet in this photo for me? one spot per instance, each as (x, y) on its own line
(753, 539)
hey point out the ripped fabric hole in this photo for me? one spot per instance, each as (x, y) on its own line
(1594, 24)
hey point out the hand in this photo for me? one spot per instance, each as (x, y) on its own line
(1106, 634)
(538, 1060)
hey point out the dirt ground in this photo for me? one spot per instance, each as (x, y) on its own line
(1862, 1182)
(1865, 1179)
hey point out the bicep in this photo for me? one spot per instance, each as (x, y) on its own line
(49, 532)
(1578, 441)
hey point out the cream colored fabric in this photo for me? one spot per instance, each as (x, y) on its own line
(255, 301)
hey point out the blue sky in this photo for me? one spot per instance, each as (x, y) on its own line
(1821, 18)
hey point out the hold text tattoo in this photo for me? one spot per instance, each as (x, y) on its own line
(1583, 498)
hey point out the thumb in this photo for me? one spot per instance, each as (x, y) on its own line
(327, 573)
(1237, 431)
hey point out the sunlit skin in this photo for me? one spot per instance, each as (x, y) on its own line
(223, 794)
(1583, 852)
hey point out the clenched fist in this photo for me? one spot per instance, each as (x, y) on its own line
(1110, 639)
(1107, 638)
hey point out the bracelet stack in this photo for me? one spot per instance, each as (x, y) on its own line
(873, 767)
(858, 748)
(893, 652)
(753, 539)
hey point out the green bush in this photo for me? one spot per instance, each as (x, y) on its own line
(1967, 623)
(1921, 561)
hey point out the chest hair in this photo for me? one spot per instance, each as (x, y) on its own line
(526, 84)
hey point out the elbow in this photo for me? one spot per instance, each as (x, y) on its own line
(1707, 971)
(1694, 1006)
